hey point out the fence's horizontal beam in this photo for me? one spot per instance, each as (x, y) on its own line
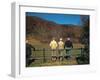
(58, 49)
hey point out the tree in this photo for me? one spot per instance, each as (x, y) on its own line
(84, 58)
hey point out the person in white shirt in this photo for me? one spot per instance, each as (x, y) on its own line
(60, 49)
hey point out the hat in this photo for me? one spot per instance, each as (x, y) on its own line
(60, 39)
(68, 39)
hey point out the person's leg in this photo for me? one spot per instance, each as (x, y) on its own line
(61, 55)
(27, 61)
(55, 55)
(53, 58)
(68, 53)
(52, 54)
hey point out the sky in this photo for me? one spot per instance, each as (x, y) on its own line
(58, 18)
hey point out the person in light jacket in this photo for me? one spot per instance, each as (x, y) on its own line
(60, 49)
(53, 45)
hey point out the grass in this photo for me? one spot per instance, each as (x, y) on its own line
(54, 63)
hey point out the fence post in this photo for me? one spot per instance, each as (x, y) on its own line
(44, 59)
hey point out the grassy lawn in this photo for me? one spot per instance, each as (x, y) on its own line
(54, 63)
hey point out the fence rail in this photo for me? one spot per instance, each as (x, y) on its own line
(57, 49)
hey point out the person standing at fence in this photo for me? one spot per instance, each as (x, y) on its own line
(68, 46)
(53, 46)
(29, 48)
(60, 49)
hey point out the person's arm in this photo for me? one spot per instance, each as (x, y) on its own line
(32, 47)
(64, 45)
(50, 44)
(72, 44)
(56, 44)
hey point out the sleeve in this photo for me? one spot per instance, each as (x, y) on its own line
(32, 47)
(50, 44)
(72, 44)
(56, 44)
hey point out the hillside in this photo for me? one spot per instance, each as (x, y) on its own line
(44, 30)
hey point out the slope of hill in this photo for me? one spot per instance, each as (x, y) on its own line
(44, 30)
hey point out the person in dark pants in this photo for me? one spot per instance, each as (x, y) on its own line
(29, 48)
(68, 46)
